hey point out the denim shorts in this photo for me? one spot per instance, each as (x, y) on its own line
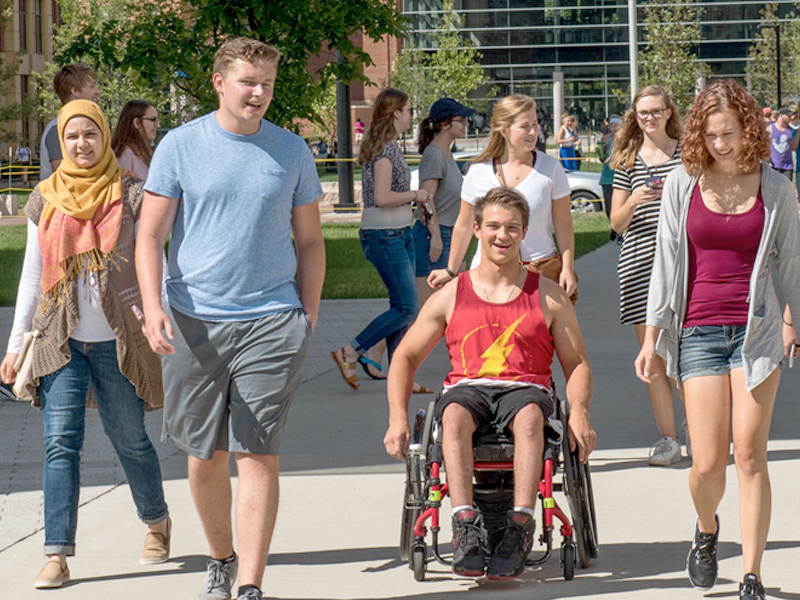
(422, 246)
(710, 350)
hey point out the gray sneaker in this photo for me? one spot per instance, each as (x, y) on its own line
(220, 576)
(251, 594)
(665, 452)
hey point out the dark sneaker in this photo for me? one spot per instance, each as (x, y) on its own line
(220, 575)
(702, 560)
(509, 556)
(751, 588)
(469, 543)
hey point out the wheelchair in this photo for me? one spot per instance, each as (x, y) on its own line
(493, 493)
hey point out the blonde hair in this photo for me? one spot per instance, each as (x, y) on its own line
(245, 49)
(504, 114)
(381, 130)
(629, 137)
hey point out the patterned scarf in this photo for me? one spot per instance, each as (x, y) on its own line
(81, 220)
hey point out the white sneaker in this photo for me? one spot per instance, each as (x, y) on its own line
(684, 435)
(665, 452)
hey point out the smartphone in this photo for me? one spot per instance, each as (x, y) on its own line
(653, 182)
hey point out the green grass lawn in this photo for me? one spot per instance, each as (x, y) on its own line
(349, 275)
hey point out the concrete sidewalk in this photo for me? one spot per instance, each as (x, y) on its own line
(339, 521)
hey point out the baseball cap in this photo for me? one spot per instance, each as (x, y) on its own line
(445, 107)
(767, 110)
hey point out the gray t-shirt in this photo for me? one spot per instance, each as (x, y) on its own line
(50, 149)
(436, 165)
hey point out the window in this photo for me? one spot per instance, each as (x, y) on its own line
(37, 22)
(23, 25)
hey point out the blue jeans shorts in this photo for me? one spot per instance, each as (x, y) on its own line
(710, 350)
(422, 247)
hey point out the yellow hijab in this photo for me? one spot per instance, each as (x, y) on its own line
(81, 219)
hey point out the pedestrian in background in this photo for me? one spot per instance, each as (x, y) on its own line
(79, 259)
(728, 222)
(567, 140)
(646, 150)
(607, 173)
(440, 176)
(134, 136)
(386, 237)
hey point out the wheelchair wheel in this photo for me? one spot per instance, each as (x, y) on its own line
(419, 559)
(568, 558)
(413, 501)
(578, 488)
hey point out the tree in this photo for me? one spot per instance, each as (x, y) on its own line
(762, 78)
(671, 33)
(172, 44)
(453, 70)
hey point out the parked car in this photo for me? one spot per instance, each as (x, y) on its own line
(586, 191)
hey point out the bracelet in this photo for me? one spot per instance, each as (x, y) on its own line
(449, 272)
(788, 324)
(415, 194)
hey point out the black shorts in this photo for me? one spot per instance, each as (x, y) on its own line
(493, 408)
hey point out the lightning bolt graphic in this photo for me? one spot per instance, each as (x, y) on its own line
(496, 355)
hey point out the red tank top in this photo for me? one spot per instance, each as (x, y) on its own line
(501, 342)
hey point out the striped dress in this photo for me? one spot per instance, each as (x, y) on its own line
(639, 245)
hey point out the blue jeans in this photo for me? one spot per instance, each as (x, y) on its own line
(63, 398)
(391, 251)
(422, 248)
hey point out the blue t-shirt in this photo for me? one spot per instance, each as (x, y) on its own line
(231, 256)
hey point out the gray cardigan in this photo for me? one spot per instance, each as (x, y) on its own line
(780, 245)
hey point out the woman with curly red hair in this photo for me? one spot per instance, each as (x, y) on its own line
(646, 149)
(712, 313)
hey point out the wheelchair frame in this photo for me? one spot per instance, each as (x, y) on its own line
(424, 492)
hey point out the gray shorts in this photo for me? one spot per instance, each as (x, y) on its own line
(229, 384)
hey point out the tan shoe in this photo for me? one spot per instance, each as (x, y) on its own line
(156, 546)
(52, 575)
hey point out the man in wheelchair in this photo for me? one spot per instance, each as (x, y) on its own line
(501, 324)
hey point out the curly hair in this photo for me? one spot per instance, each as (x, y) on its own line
(629, 138)
(722, 95)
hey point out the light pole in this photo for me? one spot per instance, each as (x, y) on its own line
(777, 28)
(633, 47)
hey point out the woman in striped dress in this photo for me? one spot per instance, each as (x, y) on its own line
(646, 149)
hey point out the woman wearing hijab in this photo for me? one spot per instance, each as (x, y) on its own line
(78, 290)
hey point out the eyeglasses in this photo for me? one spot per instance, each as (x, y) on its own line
(462, 120)
(153, 119)
(410, 111)
(656, 113)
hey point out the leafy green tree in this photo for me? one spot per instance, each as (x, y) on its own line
(669, 59)
(172, 44)
(453, 69)
(762, 69)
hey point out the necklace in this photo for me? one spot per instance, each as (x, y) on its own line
(511, 293)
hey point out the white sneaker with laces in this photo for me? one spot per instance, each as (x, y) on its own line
(665, 452)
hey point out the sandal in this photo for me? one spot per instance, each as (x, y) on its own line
(420, 389)
(368, 362)
(351, 380)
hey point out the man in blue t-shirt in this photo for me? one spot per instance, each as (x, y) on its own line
(233, 189)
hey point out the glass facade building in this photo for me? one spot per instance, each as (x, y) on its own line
(524, 41)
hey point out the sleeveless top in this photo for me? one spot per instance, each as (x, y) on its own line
(502, 345)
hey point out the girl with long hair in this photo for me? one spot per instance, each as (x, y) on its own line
(385, 232)
(567, 140)
(510, 159)
(90, 349)
(646, 150)
(440, 176)
(133, 138)
(728, 221)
